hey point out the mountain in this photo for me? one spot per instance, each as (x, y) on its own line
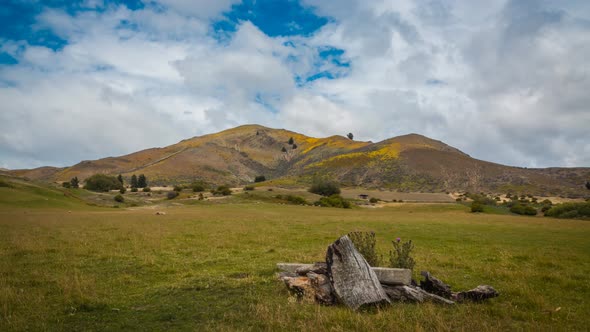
(406, 163)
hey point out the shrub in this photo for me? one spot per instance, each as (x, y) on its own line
(102, 182)
(325, 188)
(198, 186)
(260, 178)
(133, 190)
(569, 210)
(134, 181)
(373, 200)
(172, 194)
(75, 183)
(523, 210)
(122, 190)
(248, 188)
(142, 181)
(400, 257)
(177, 188)
(119, 198)
(333, 201)
(298, 200)
(366, 244)
(222, 191)
(476, 207)
(5, 184)
(146, 189)
(66, 185)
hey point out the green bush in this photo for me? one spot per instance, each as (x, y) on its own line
(172, 194)
(177, 188)
(74, 182)
(122, 190)
(476, 207)
(102, 182)
(249, 188)
(523, 210)
(198, 187)
(119, 198)
(5, 184)
(298, 200)
(333, 201)
(146, 189)
(325, 188)
(260, 178)
(373, 200)
(569, 210)
(66, 185)
(400, 257)
(133, 190)
(222, 191)
(366, 244)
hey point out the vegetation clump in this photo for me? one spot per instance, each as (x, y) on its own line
(249, 188)
(172, 194)
(102, 182)
(366, 244)
(400, 257)
(260, 178)
(119, 198)
(523, 210)
(146, 189)
(221, 191)
(122, 190)
(177, 188)
(333, 201)
(373, 200)
(324, 187)
(476, 207)
(75, 183)
(198, 186)
(66, 184)
(5, 184)
(569, 210)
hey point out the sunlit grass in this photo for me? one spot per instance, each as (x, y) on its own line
(211, 266)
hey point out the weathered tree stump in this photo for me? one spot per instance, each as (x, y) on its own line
(354, 282)
(435, 286)
(479, 293)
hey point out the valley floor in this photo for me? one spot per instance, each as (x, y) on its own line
(212, 267)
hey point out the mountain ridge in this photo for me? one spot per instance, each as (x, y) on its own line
(411, 162)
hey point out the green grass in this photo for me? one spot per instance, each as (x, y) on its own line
(211, 266)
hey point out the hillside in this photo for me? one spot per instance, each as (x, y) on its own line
(405, 163)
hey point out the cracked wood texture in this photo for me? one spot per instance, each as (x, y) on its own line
(354, 282)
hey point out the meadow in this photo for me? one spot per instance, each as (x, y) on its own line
(211, 266)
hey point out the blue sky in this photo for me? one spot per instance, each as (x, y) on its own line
(506, 81)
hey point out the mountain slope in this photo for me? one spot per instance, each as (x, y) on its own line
(408, 163)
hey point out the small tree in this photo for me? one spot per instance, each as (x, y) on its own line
(294, 146)
(141, 181)
(120, 178)
(291, 141)
(324, 187)
(350, 136)
(119, 198)
(259, 178)
(74, 182)
(134, 181)
(283, 149)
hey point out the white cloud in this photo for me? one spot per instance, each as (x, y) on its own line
(506, 81)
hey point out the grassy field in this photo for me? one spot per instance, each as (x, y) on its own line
(211, 266)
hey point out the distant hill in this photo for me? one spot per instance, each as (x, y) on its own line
(406, 163)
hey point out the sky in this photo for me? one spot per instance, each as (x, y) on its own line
(504, 81)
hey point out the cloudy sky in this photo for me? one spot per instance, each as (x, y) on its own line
(504, 81)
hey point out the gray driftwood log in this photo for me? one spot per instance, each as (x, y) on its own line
(433, 285)
(386, 275)
(354, 282)
(479, 293)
